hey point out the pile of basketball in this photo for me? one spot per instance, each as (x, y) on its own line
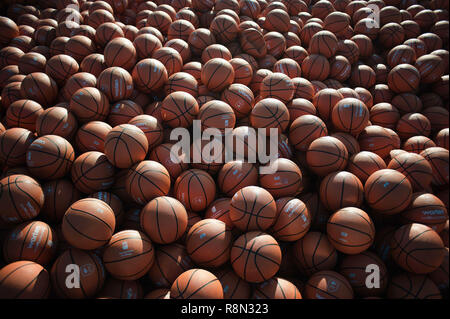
(90, 194)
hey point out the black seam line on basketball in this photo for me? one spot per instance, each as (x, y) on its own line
(64, 158)
(141, 271)
(24, 288)
(193, 229)
(31, 197)
(128, 258)
(242, 251)
(90, 214)
(181, 293)
(223, 81)
(207, 241)
(226, 250)
(306, 135)
(251, 213)
(14, 270)
(49, 231)
(283, 186)
(13, 147)
(291, 221)
(201, 287)
(248, 256)
(274, 116)
(13, 201)
(235, 287)
(99, 281)
(409, 174)
(23, 242)
(161, 270)
(42, 93)
(125, 238)
(256, 252)
(201, 184)
(83, 174)
(180, 264)
(403, 248)
(81, 282)
(53, 155)
(388, 192)
(96, 112)
(84, 235)
(238, 183)
(142, 174)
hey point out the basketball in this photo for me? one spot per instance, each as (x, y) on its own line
(23, 113)
(417, 248)
(147, 180)
(179, 109)
(325, 100)
(278, 86)
(324, 43)
(125, 145)
(293, 220)
(266, 261)
(412, 124)
(50, 157)
(388, 191)
(39, 87)
(328, 284)
(326, 154)
(91, 136)
(196, 284)
(217, 74)
(57, 121)
(116, 83)
(415, 167)
(403, 78)
(376, 139)
(24, 280)
(235, 175)
(438, 159)
(89, 104)
(114, 202)
(341, 189)
(350, 230)
(61, 67)
(195, 189)
(164, 219)
(284, 180)
(59, 195)
(410, 286)
(259, 216)
(93, 212)
(270, 113)
(123, 111)
(364, 164)
(276, 288)
(218, 115)
(234, 287)
(240, 97)
(139, 257)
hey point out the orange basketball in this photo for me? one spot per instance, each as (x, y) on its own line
(91, 172)
(266, 255)
(325, 100)
(314, 253)
(218, 115)
(427, 209)
(174, 162)
(350, 142)
(179, 109)
(23, 113)
(106, 32)
(277, 85)
(388, 191)
(412, 124)
(351, 230)
(409, 286)
(89, 104)
(364, 164)
(233, 286)
(270, 113)
(160, 20)
(128, 255)
(276, 288)
(88, 224)
(350, 115)
(224, 28)
(164, 219)
(93, 63)
(376, 139)
(125, 145)
(114, 201)
(146, 44)
(195, 189)
(324, 43)
(24, 280)
(149, 75)
(50, 157)
(315, 67)
(79, 47)
(215, 50)
(235, 175)
(90, 265)
(217, 74)
(170, 58)
(77, 81)
(341, 189)
(293, 220)
(415, 167)
(123, 111)
(417, 144)
(403, 78)
(59, 195)
(442, 138)
(56, 121)
(385, 115)
(196, 284)
(147, 180)
(208, 243)
(252, 208)
(116, 83)
(151, 128)
(182, 81)
(328, 284)
(39, 87)
(417, 248)
(326, 154)
(430, 67)
(91, 136)
(285, 179)
(60, 67)
(438, 159)
(240, 98)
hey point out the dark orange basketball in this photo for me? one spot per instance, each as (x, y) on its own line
(235, 175)
(59, 195)
(243, 72)
(252, 208)
(91, 172)
(196, 189)
(385, 115)
(314, 253)
(94, 63)
(409, 286)
(31, 62)
(364, 164)
(415, 167)
(324, 43)
(196, 284)
(351, 230)
(200, 40)
(438, 117)
(77, 81)
(442, 138)
(240, 98)
(121, 289)
(224, 28)
(276, 288)
(327, 284)
(417, 248)
(170, 58)
(23, 113)
(56, 121)
(89, 104)
(266, 255)
(404, 78)
(106, 32)
(179, 109)
(252, 41)
(284, 179)
(388, 191)
(315, 67)
(60, 67)
(438, 159)
(14, 143)
(376, 139)
(215, 51)
(417, 144)
(79, 47)
(88, 224)
(217, 74)
(340, 68)
(120, 52)
(24, 280)
(208, 243)
(114, 202)
(34, 241)
(325, 100)
(407, 103)
(182, 81)
(299, 107)
(233, 286)
(350, 142)
(412, 124)
(116, 83)
(293, 220)
(277, 85)
(326, 154)
(180, 29)
(39, 87)
(341, 189)
(147, 180)
(146, 44)
(160, 20)
(91, 136)
(161, 293)
(125, 145)
(123, 111)
(218, 115)
(50, 157)
(350, 115)
(164, 219)
(430, 67)
(137, 260)
(270, 113)
(151, 128)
